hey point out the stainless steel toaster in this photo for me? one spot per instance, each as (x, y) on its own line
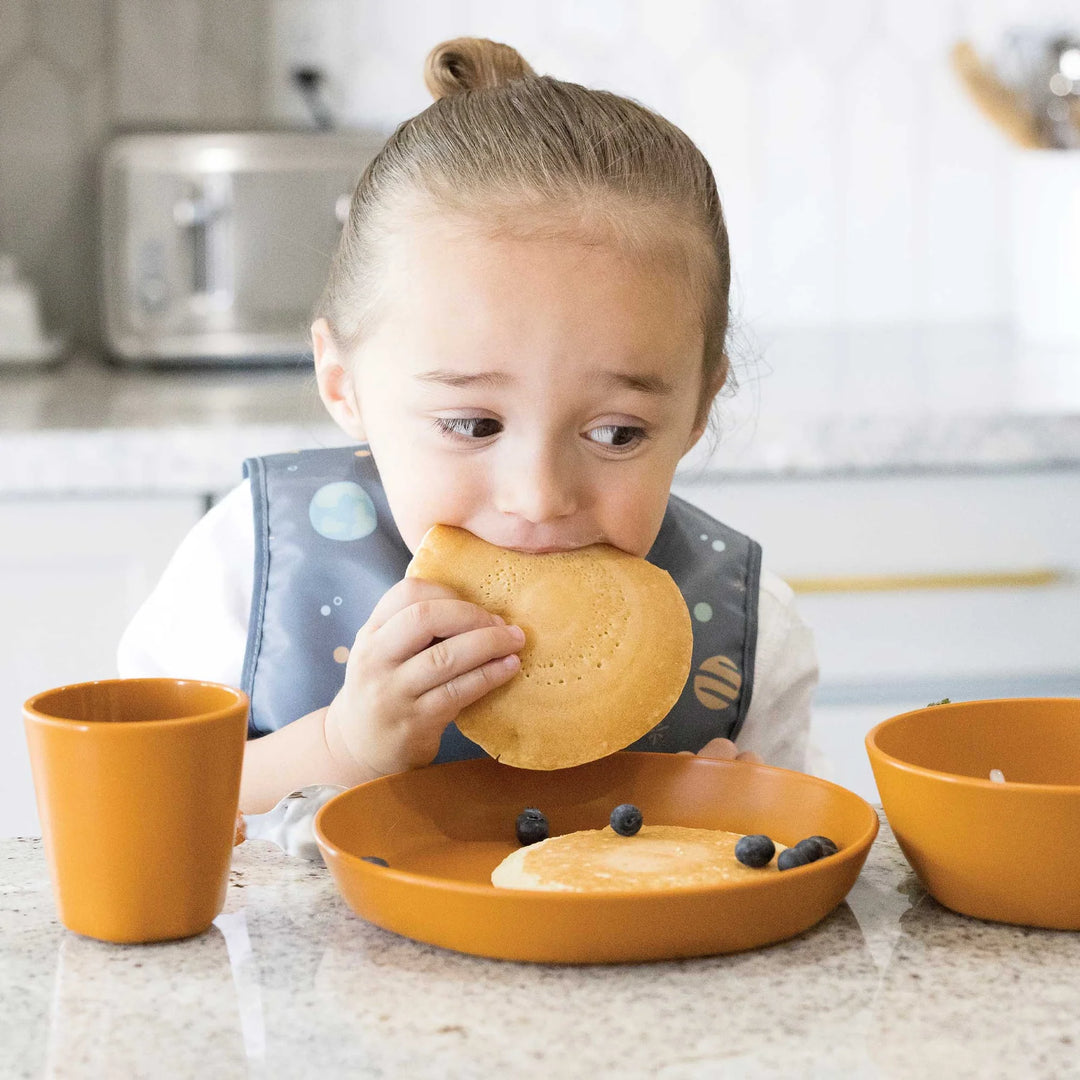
(215, 247)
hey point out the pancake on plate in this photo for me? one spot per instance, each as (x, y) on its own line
(600, 860)
(607, 650)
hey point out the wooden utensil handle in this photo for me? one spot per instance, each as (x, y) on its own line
(995, 100)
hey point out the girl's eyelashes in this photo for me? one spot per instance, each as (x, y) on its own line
(618, 436)
(468, 427)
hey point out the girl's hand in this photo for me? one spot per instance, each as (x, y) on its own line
(725, 750)
(415, 664)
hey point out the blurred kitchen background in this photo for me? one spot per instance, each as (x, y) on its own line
(859, 181)
(905, 440)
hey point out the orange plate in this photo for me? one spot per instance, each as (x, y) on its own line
(443, 830)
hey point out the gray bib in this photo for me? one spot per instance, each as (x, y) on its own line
(326, 549)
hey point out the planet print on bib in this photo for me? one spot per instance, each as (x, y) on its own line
(342, 511)
(717, 682)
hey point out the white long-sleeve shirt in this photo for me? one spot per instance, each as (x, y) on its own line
(195, 625)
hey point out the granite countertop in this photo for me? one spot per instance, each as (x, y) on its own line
(810, 402)
(289, 982)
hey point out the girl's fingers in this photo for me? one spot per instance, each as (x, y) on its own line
(722, 749)
(411, 630)
(726, 750)
(406, 592)
(453, 657)
(454, 695)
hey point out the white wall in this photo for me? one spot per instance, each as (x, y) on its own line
(860, 184)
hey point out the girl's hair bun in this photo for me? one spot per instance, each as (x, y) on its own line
(472, 64)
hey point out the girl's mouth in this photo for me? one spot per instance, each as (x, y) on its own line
(533, 548)
(546, 550)
(537, 543)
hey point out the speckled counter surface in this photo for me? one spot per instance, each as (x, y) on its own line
(289, 983)
(809, 403)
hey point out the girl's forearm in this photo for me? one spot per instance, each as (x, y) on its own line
(290, 758)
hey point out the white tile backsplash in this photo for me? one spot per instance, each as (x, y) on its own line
(159, 41)
(73, 35)
(859, 183)
(15, 20)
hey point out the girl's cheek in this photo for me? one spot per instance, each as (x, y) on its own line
(633, 522)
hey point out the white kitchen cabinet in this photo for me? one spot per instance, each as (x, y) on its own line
(72, 573)
(918, 588)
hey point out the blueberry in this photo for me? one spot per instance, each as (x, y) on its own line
(755, 851)
(791, 857)
(626, 819)
(828, 847)
(531, 826)
(374, 859)
(811, 848)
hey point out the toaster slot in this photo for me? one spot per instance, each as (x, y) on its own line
(204, 216)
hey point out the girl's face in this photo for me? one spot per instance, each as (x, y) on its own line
(537, 392)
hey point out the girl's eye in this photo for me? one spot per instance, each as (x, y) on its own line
(469, 427)
(617, 436)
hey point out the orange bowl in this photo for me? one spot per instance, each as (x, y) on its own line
(1001, 851)
(443, 830)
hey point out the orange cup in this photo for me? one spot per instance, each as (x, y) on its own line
(138, 785)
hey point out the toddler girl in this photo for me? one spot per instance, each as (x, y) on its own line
(523, 332)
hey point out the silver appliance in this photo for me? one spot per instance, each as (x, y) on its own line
(215, 247)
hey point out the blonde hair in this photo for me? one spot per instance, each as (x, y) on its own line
(531, 155)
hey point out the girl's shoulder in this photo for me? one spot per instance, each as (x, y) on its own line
(230, 514)
(779, 593)
(194, 622)
(224, 534)
(781, 627)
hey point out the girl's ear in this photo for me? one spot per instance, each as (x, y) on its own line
(336, 386)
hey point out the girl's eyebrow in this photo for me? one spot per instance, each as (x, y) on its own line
(645, 384)
(445, 377)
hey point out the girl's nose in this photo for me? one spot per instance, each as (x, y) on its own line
(538, 487)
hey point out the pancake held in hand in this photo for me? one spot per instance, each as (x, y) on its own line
(607, 646)
(599, 860)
